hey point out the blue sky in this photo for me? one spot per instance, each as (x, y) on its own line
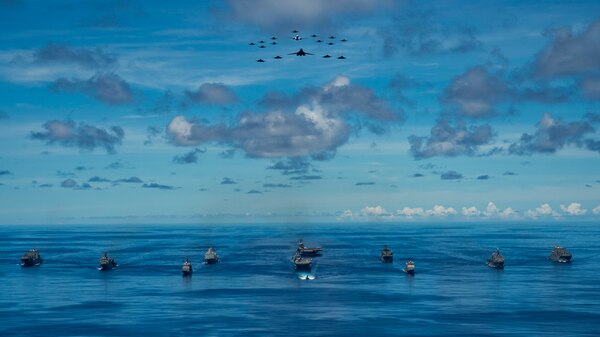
(139, 112)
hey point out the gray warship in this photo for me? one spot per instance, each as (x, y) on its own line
(560, 254)
(301, 263)
(409, 267)
(496, 260)
(31, 258)
(386, 255)
(187, 269)
(211, 257)
(308, 252)
(106, 262)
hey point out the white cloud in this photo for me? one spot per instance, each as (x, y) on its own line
(470, 211)
(374, 211)
(543, 211)
(573, 209)
(596, 210)
(410, 212)
(439, 210)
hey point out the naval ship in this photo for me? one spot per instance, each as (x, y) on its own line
(31, 258)
(409, 267)
(211, 257)
(386, 255)
(301, 263)
(187, 269)
(107, 263)
(308, 252)
(496, 260)
(560, 254)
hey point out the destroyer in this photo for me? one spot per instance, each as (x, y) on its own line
(31, 258)
(187, 269)
(496, 260)
(560, 254)
(308, 252)
(386, 255)
(107, 263)
(409, 268)
(301, 263)
(211, 257)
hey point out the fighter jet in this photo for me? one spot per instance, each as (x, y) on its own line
(332, 37)
(314, 35)
(260, 60)
(331, 43)
(278, 57)
(273, 38)
(319, 41)
(326, 56)
(342, 57)
(262, 46)
(297, 38)
(273, 43)
(300, 52)
(261, 41)
(343, 40)
(294, 31)
(252, 43)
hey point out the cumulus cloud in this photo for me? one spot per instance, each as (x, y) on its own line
(570, 54)
(493, 210)
(93, 58)
(5, 172)
(134, 180)
(158, 186)
(317, 126)
(573, 209)
(212, 93)
(418, 32)
(596, 210)
(280, 15)
(365, 183)
(411, 212)
(543, 211)
(374, 211)
(553, 134)
(109, 88)
(450, 141)
(451, 175)
(228, 181)
(475, 93)
(86, 137)
(97, 179)
(291, 166)
(470, 211)
(189, 157)
(440, 210)
(483, 177)
(68, 183)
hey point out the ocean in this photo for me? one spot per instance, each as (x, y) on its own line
(255, 291)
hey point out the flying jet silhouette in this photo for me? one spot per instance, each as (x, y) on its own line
(326, 56)
(278, 57)
(343, 40)
(261, 41)
(297, 38)
(342, 57)
(262, 46)
(314, 35)
(331, 43)
(294, 31)
(273, 43)
(260, 60)
(252, 43)
(300, 52)
(319, 41)
(332, 37)
(273, 38)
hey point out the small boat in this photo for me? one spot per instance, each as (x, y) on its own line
(560, 254)
(387, 255)
(308, 252)
(496, 260)
(409, 267)
(187, 269)
(211, 257)
(31, 258)
(107, 263)
(301, 263)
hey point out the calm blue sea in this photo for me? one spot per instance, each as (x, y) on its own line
(256, 292)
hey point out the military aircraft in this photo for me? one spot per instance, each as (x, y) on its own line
(297, 38)
(331, 43)
(300, 52)
(326, 56)
(319, 41)
(273, 38)
(332, 37)
(261, 41)
(294, 31)
(278, 57)
(273, 43)
(262, 46)
(314, 35)
(260, 60)
(252, 43)
(343, 40)
(342, 57)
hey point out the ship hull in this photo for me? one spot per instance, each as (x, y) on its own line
(304, 267)
(387, 259)
(31, 263)
(105, 267)
(210, 261)
(495, 265)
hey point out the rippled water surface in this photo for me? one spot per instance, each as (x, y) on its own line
(254, 291)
